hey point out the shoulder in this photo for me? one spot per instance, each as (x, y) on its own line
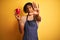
(23, 19)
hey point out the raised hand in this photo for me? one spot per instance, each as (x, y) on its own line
(36, 8)
(17, 17)
(34, 5)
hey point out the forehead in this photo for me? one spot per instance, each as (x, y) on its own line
(28, 6)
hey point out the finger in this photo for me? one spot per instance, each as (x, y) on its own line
(34, 4)
(15, 14)
(38, 5)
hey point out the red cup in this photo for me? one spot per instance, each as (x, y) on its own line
(17, 11)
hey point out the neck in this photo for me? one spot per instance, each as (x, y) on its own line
(30, 15)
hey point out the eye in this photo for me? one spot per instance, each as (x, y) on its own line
(30, 7)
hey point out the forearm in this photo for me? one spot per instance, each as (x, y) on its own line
(20, 23)
(37, 18)
(21, 27)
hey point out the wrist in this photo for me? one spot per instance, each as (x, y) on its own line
(19, 20)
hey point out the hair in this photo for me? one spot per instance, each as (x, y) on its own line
(25, 7)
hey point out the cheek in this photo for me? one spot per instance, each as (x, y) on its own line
(29, 9)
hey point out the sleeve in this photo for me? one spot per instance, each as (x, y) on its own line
(23, 19)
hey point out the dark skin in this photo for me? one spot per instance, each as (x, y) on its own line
(31, 15)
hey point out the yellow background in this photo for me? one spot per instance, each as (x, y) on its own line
(48, 27)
